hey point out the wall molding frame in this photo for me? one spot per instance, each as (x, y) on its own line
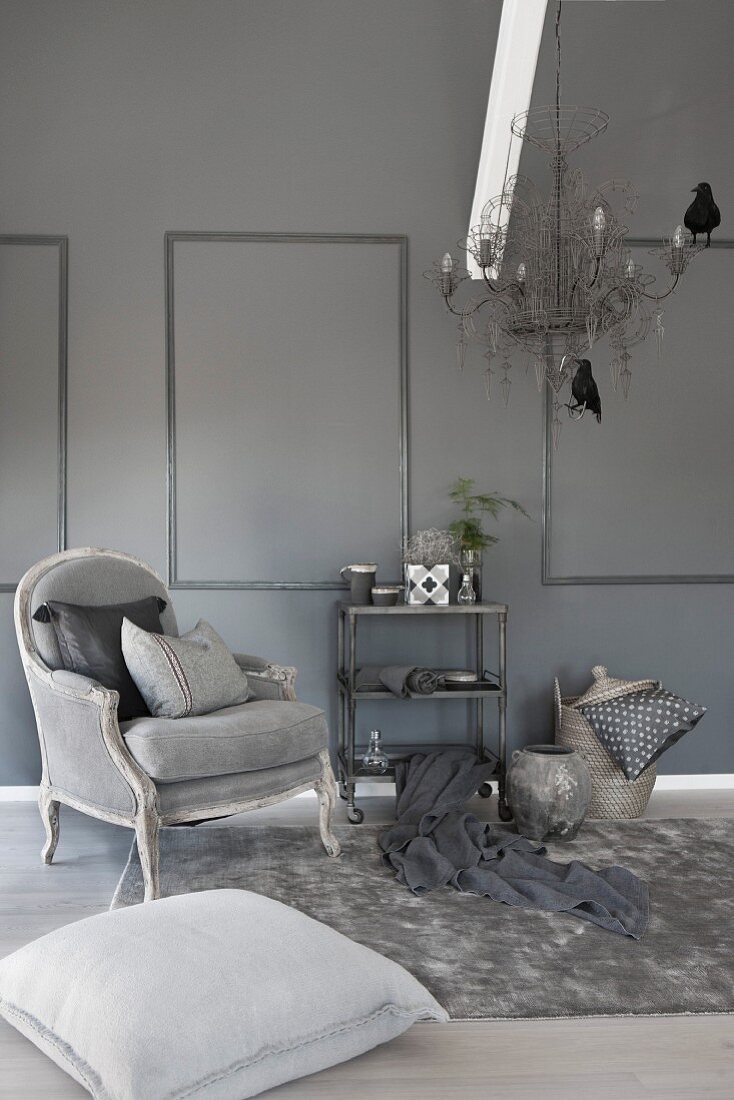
(61, 243)
(548, 577)
(172, 237)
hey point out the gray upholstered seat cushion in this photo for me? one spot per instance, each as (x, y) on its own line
(261, 734)
(215, 794)
(216, 995)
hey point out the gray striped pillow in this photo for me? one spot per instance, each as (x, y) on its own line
(179, 677)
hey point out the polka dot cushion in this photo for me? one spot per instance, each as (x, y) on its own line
(636, 729)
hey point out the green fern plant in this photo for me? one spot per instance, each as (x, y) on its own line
(469, 529)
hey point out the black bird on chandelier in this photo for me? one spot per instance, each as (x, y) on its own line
(584, 391)
(703, 214)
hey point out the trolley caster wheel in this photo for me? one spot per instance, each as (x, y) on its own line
(355, 816)
(504, 811)
(485, 791)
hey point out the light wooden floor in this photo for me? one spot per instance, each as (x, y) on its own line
(643, 1058)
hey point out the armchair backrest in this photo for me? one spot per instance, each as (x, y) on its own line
(85, 576)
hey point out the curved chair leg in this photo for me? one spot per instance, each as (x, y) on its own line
(326, 790)
(146, 833)
(49, 809)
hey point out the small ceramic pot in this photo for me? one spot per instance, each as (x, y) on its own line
(549, 788)
(386, 595)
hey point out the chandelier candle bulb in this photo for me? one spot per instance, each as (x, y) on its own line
(677, 250)
(599, 225)
(485, 243)
(447, 273)
(630, 268)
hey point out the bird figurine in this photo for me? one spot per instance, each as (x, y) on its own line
(585, 391)
(703, 214)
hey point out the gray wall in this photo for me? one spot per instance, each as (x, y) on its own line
(119, 121)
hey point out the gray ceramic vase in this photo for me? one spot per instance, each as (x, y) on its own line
(549, 788)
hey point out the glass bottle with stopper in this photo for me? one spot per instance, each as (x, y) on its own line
(467, 594)
(375, 759)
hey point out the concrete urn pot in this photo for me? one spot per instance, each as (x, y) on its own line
(549, 789)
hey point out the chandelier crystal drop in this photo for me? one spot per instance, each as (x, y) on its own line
(558, 274)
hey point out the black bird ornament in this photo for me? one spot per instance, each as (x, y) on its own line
(584, 391)
(703, 214)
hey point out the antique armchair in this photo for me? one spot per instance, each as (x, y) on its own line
(275, 749)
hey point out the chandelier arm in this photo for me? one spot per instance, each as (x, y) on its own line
(596, 272)
(618, 288)
(508, 309)
(466, 311)
(499, 290)
(668, 292)
(574, 288)
(643, 293)
(456, 312)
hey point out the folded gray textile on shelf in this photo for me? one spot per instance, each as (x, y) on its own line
(402, 680)
(435, 842)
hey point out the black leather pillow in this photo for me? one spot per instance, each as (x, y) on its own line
(90, 643)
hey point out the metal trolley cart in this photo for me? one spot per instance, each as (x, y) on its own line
(489, 686)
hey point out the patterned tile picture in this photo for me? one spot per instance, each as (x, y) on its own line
(427, 587)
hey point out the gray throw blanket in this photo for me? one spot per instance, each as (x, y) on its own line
(435, 842)
(402, 680)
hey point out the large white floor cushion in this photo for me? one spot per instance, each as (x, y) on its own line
(217, 995)
(262, 734)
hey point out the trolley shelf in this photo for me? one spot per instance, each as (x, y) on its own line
(399, 753)
(483, 608)
(489, 687)
(484, 687)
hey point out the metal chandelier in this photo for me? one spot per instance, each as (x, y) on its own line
(557, 272)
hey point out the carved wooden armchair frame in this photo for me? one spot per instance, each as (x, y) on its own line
(80, 737)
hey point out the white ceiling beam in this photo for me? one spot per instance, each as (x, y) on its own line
(513, 74)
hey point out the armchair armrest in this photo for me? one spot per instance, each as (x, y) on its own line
(268, 680)
(71, 683)
(85, 759)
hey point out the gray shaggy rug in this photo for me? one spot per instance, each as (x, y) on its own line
(481, 959)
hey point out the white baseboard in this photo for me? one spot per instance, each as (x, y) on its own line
(715, 782)
(720, 782)
(18, 794)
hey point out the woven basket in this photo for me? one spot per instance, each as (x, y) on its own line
(612, 795)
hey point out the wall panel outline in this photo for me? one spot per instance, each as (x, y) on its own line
(61, 244)
(172, 237)
(548, 577)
